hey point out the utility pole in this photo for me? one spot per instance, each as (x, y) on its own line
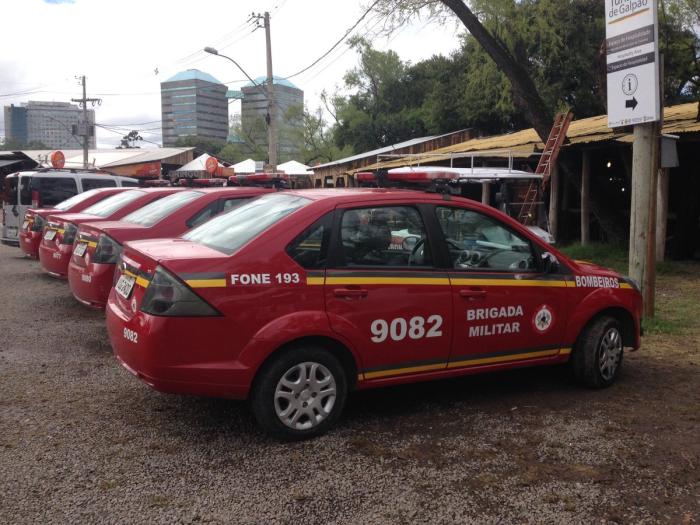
(635, 97)
(84, 129)
(272, 121)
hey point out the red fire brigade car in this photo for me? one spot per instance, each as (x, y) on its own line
(98, 245)
(298, 297)
(35, 218)
(59, 234)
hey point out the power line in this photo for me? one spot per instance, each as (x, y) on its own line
(367, 11)
(129, 123)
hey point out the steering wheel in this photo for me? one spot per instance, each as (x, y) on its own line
(483, 262)
(418, 246)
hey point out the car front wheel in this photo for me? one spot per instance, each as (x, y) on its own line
(597, 358)
(299, 393)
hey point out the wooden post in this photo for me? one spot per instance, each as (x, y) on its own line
(585, 197)
(661, 213)
(640, 196)
(554, 201)
(486, 193)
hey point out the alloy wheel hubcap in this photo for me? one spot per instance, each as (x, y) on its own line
(305, 395)
(610, 353)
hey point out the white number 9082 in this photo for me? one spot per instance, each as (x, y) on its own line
(398, 329)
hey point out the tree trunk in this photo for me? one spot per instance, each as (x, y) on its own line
(528, 99)
(525, 92)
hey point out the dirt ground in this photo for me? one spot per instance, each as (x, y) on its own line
(81, 440)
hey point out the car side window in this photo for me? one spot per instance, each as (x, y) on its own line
(203, 215)
(90, 184)
(388, 236)
(480, 243)
(230, 204)
(310, 249)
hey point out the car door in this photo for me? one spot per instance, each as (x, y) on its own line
(384, 293)
(506, 308)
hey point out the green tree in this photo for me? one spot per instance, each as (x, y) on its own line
(313, 139)
(209, 146)
(15, 145)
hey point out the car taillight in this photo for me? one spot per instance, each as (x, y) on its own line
(69, 231)
(168, 296)
(38, 224)
(107, 251)
(36, 199)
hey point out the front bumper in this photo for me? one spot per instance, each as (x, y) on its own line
(10, 241)
(183, 355)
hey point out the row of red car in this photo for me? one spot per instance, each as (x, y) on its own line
(294, 298)
(83, 241)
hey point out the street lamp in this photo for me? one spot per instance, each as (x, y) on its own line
(214, 51)
(271, 124)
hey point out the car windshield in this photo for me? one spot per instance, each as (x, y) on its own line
(75, 199)
(155, 211)
(228, 232)
(115, 202)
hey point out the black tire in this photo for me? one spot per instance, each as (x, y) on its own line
(265, 402)
(587, 358)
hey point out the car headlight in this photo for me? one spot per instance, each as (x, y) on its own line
(633, 282)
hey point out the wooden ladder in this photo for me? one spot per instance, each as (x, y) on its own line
(544, 167)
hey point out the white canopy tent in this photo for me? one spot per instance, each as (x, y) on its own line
(194, 167)
(295, 168)
(245, 166)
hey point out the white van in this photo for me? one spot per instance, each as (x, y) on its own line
(44, 188)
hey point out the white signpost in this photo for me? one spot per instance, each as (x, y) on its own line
(631, 33)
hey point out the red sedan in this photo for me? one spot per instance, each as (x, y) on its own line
(35, 218)
(296, 298)
(98, 245)
(57, 242)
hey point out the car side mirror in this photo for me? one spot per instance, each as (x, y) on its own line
(550, 264)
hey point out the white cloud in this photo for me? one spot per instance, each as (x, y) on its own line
(119, 45)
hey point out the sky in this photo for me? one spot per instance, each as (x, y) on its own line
(126, 48)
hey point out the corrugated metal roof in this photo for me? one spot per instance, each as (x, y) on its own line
(104, 158)
(681, 118)
(374, 152)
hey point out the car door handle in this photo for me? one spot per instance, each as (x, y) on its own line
(349, 293)
(473, 294)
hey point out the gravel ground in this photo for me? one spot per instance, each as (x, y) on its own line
(81, 440)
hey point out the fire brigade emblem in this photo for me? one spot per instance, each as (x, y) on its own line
(133, 305)
(543, 318)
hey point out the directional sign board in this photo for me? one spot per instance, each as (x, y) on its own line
(631, 33)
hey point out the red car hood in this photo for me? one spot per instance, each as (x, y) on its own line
(586, 267)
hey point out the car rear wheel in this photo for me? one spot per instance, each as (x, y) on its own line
(597, 357)
(300, 393)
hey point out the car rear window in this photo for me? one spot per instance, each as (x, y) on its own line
(115, 202)
(155, 211)
(75, 199)
(106, 182)
(228, 232)
(53, 190)
(9, 191)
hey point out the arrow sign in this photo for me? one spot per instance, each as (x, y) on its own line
(631, 103)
